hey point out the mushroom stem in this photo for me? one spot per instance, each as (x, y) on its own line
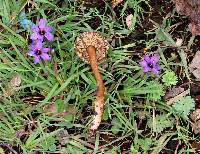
(99, 102)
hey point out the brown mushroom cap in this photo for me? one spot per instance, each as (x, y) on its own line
(91, 38)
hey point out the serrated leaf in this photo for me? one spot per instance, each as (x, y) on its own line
(115, 129)
(183, 106)
(169, 78)
(116, 122)
(52, 148)
(160, 123)
(153, 90)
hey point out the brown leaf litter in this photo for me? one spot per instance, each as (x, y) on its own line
(194, 66)
(191, 9)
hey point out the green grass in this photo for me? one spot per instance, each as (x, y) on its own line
(136, 116)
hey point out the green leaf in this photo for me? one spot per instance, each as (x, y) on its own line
(50, 141)
(184, 106)
(160, 123)
(145, 143)
(59, 105)
(115, 129)
(153, 90)
(105, 114)
(52, 148)
(69, 118)
(116, 125)
(169, 78)
(116, 122)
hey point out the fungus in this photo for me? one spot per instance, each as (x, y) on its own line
(91, 47)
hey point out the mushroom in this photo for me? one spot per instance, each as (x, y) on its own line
(92, 48)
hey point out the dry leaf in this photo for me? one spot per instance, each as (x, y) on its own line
(174, 99)
(51, 108)
(195, 116)
(62, 136)
(11, 86)
(114, 3)
(195, 145)
(196, 127)
(194, 67)
(190, 8)
(15, 81)
(129, 19)
(173, 92)
(179, 42)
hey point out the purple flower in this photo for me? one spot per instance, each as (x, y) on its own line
(150, 64)
(41, 31)
(38, 52)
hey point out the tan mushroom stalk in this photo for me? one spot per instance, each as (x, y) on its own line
(92, 48)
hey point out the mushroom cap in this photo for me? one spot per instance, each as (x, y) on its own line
(86, 39)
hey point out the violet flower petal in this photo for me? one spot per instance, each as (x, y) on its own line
(36, 59)
(154, 59)
(143, 63)
(147, 59)
(49, 36)
(34, 36)
(45, 50)
(45, 56)
(32, 53)
(32, 47)
(156, 69)
(42, 23)
(48, 29)
(35, 28)
(146, 69)
(38, 45)
(40, 37)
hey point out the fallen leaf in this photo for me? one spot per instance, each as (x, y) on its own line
(194, 67)
(15, 81)
(173, 92)
(129, 19)
(196, 127)
(174, 99)
(63, 136)
(195, 146)
(195, 116)
(51, 108)
(179, 42)
(11, 87)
